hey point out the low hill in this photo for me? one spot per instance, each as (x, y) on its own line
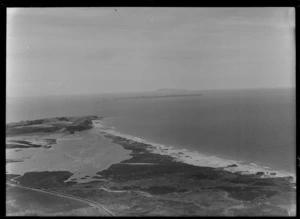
(48, 125)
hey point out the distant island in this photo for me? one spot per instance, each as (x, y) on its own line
(163, 93)
(171, 90)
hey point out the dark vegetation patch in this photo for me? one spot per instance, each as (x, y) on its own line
(20, 141)
(165, 165)
(202, 173)
(245, 179)
(128, 144)
(264, 182)
(63, 118)
(162, 190)
(149, 158)
(30, 129)
(254, 180)
(261, 210)
(25, 127)
(79, 126)
(44, 179)
(11, 176)
(154, 190)
(233, 165)
(139, 153)
(247, 193)
(27, 144)
(36, 121)
(25, 123)
(126, 188)
(260, 173)
(136, 172)
(69, 183)
(13, 161)
(97, 177)
(12, 146)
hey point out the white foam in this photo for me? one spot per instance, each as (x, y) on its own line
(197, 159)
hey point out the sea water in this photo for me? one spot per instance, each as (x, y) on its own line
(254, 126)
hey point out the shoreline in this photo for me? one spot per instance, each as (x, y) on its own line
(157, 180)
(196, 158)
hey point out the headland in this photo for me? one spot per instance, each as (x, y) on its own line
(146, 180)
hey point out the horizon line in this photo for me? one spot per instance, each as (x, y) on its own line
(150, 91)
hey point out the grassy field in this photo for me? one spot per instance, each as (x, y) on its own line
(20, 200)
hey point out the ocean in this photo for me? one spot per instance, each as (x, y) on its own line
(254, 126)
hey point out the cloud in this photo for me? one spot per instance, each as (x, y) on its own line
(100, 48)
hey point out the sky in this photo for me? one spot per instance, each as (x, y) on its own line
(62, 51)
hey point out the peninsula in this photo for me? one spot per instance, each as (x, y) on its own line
(141, 182)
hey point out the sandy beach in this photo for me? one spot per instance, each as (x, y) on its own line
(198, 159)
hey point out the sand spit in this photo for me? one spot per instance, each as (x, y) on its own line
(198, 159)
